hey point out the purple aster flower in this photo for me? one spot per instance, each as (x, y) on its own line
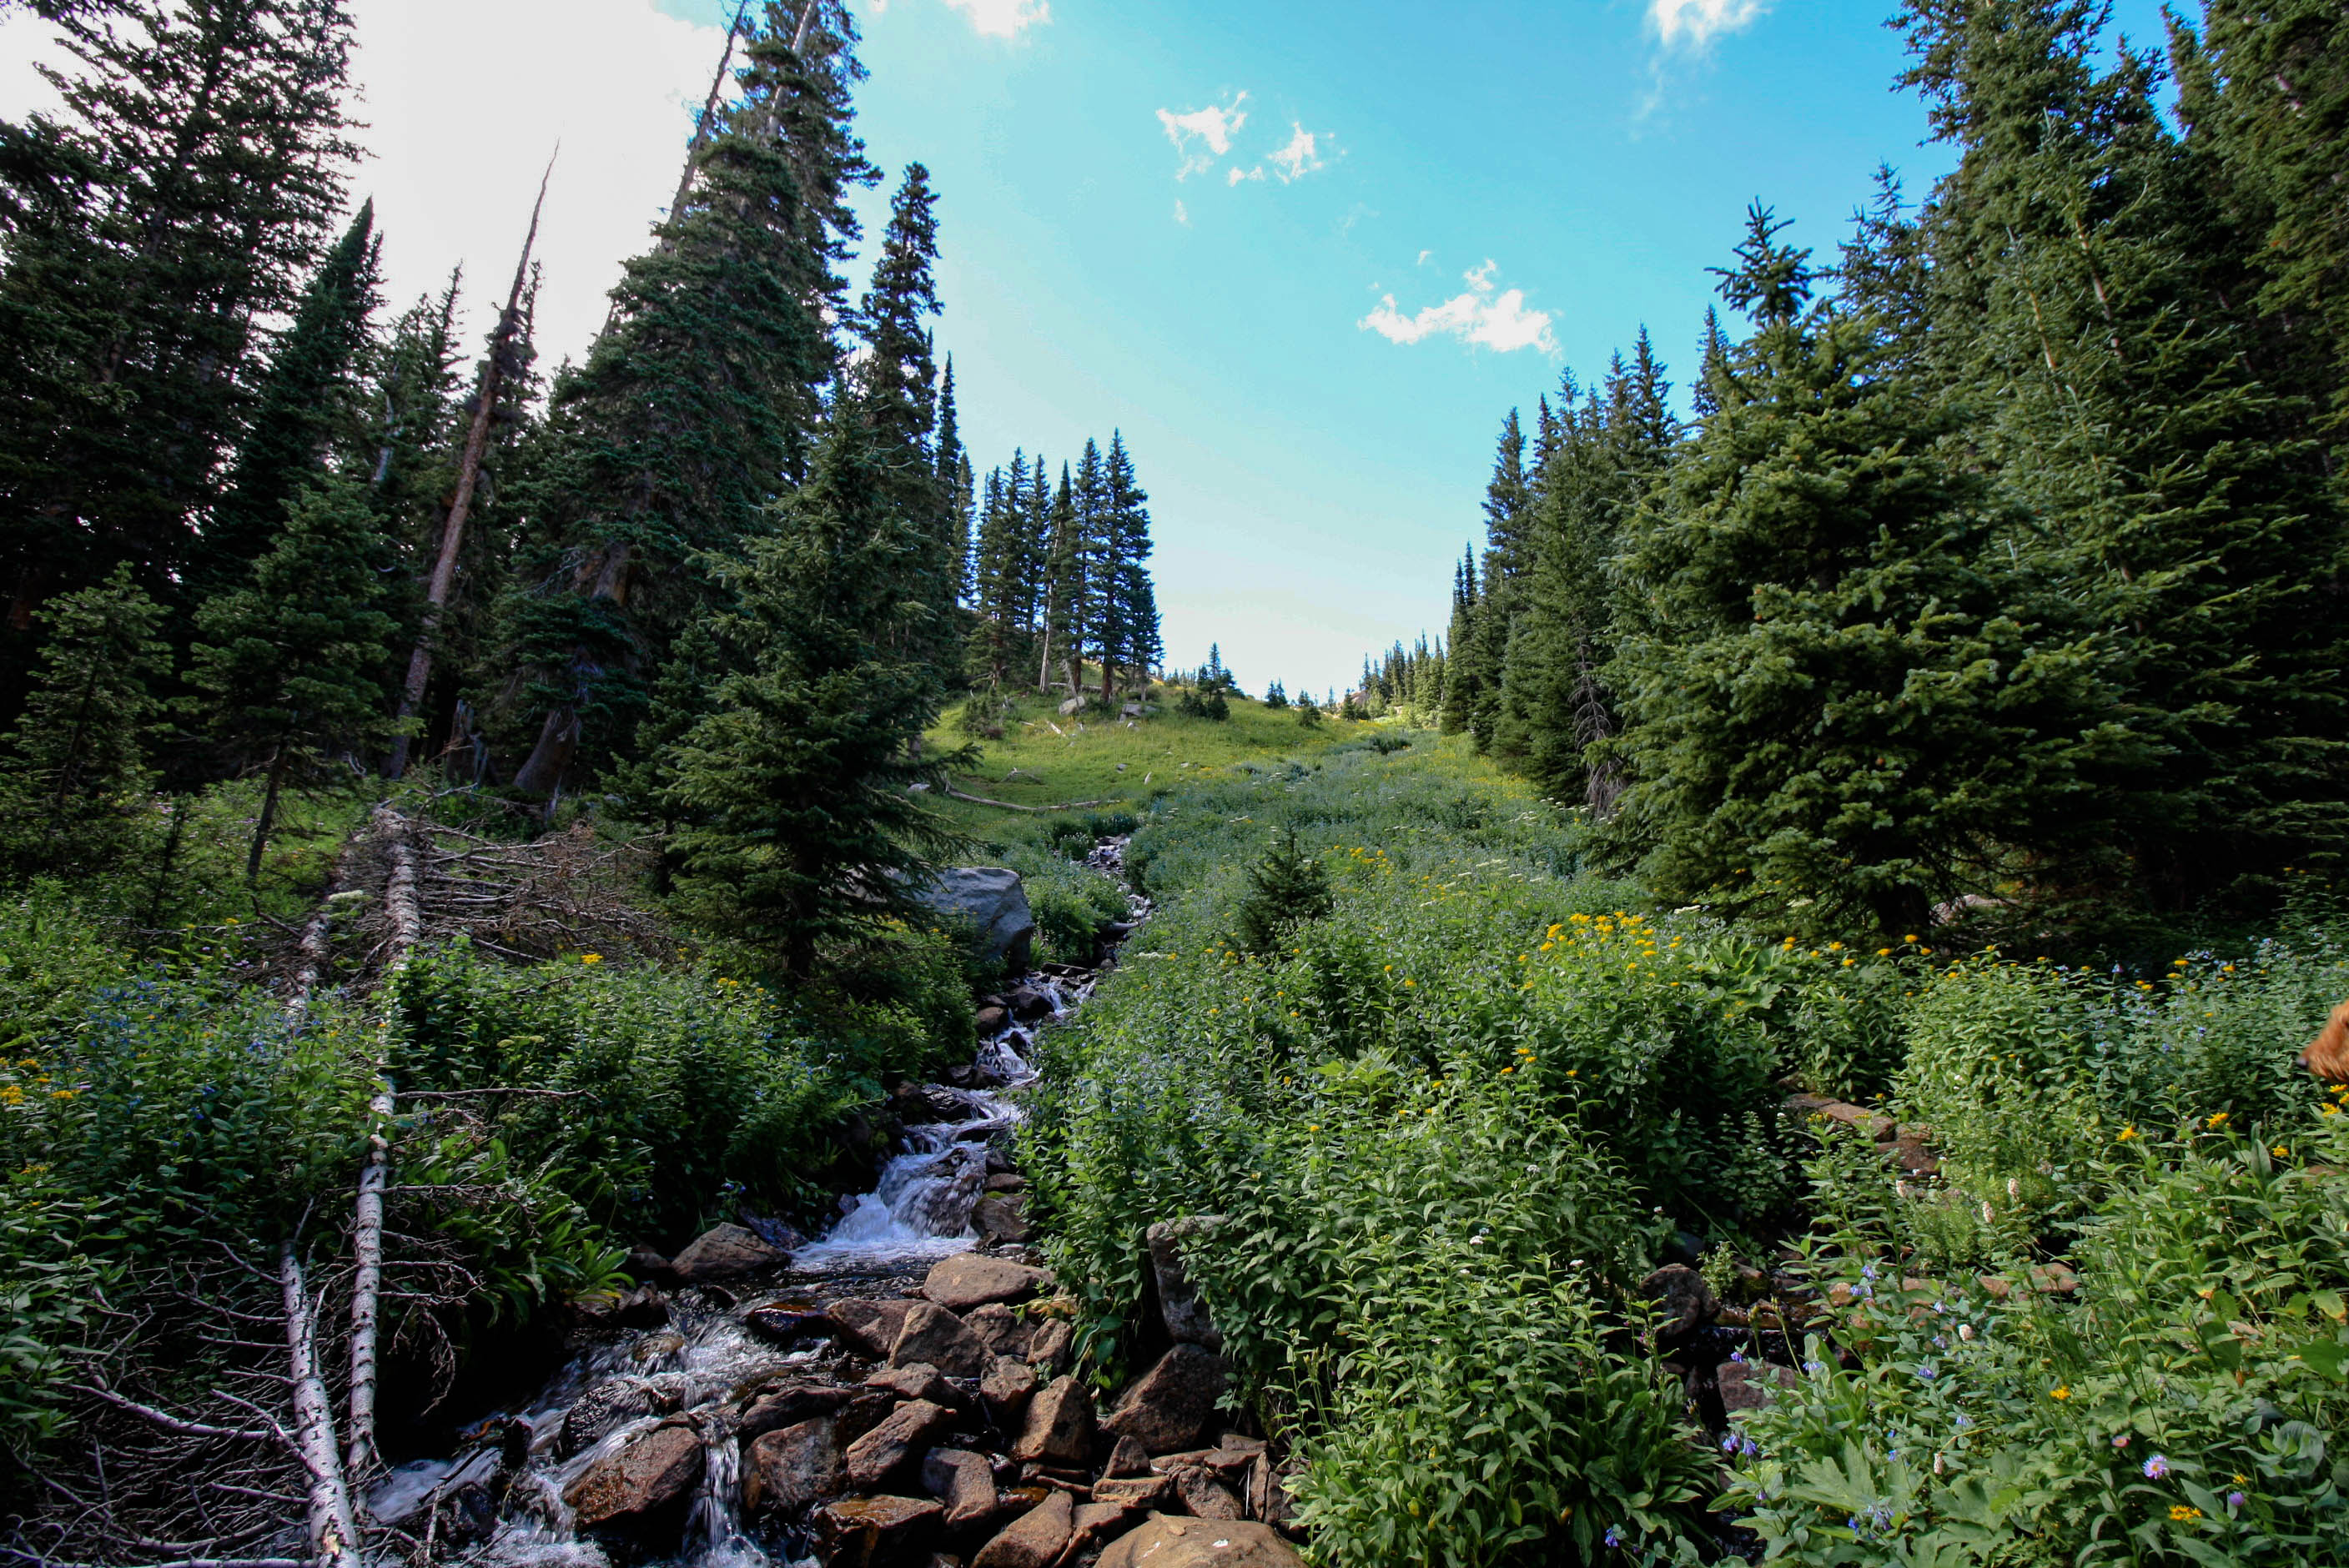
(2157, 1467)
(2235, 1499)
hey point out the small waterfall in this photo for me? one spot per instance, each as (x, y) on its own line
(717, 1517)
(921, 1206)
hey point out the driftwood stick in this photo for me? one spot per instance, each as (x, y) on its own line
(333, 1530)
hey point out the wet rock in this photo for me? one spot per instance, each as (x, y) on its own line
(1684, 1302)
(1049, 1351)
(1034, 1540)
(860, 1531)
(1001, 1217)
(919, 1380)
(966, 1280)
(993, 903)
(1128, 1458)
(1168, 1407)
(643, 1307)
(656, 1470)
(1178, 1299)
(872, 1327)
(606, 1406)
(788, 1468)
(656, 1348)
(726, 1252)
(1030, 1002)
(907, 1428)
(928, 1102)
(1204, 1496)
(1006, 1182)
(1745, 1385)
(1169, 1543)
(963, 1481)
(1003, 1331)
(865, 1410)
(1059, 1424)
(1093, 1524)
(790, 1405)
(938, 1336)
(1136, 1491)
(1007, 1388)
(647, 1262)
(786, 1325)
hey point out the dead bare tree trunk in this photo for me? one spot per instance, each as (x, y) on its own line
(334, 1529)
(461, 504)
(400, 905)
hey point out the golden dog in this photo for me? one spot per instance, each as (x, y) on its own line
(2327, 1055)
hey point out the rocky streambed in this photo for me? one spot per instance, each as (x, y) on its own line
(901, 1391)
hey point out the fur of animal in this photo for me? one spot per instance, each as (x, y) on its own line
(2327, 1055)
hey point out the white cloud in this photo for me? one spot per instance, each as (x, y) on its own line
(1237, 175)
(1482, 316)
(1182, 213)
(1299, 157)
(1422, 257)
(1003, 18)
(1203, 135)
(1696, 22)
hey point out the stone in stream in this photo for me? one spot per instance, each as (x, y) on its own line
(1049, 1351)
(787, 1324)
(725, 1252)
(1095, 1522)
(1034, 1540)
(1168, 1543)
(1003, 1331)
(963, 1481)
(656, 1469)
(607, 1406)
(1059, 1424)
(917, 1380)
(992, 1020)
(858, 1532)
(1001, 1217)
(788, 1404)
(786, 1469)
(641, 1307)
(1178, 1299)
(993, 902)
(1007, 1388)
(1684, 1302)
(1203, 1495)
(933, 1334)
(1168, 1408)
(908, 1427)
(872, 1327)
(966, 1280)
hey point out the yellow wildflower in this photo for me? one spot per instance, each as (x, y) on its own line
(2059, 1392)
(591, 958)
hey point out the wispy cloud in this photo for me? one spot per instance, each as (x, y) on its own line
(1203, 135)
(1182, 213)
(991, 18)
(1300, 157)
(1482, 315)
(1693, 24)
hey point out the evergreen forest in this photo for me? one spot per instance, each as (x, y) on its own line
(637, 961)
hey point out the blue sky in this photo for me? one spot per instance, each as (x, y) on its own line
(1313, 478)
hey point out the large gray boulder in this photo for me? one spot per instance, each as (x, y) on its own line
(990, 900)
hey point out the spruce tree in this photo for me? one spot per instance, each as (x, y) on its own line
(1459, 686)
(1065, 597)
(802, 823)
(184, 196)
(305, 406)
(1287, 889)
(73, 774)
(1846, 707)
(1133, 638)
(290, 668)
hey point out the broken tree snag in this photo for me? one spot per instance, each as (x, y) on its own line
(406, 915)
(333, 1530)
(469, 475)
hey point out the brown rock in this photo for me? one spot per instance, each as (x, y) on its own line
(964, 1280)
(1178, 1297)
(786, 1325)
(1128, 1458)
(724, 1251)
(910, 1427)
(1267, 1497)
(1684, 1302)
(964, 1481)
(657, 1467)
(1204, 1496)
(865, 1410)
(919, 1380)
(935, 1335)
(1006, 1182)
(1003, 1331)
(872, 1327)
(1094, 1522)
(1049, 1351)
(1168, 1543)
(1002, 1217)
(786, 1406)
(1745, 1385)
(1034, 1540)
(1913, 1154)
(1059, 1424)
(992, 1021)
(1168, 1407)
(606, 1406)
(786, 1469)
(1875, 1124)
(857, 1531)
(642, 1306)
(1007, 1388)
(1136, 1491)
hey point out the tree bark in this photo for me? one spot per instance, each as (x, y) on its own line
(333, 1530)
(461, 505)
(400, 905)
(268, 819)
